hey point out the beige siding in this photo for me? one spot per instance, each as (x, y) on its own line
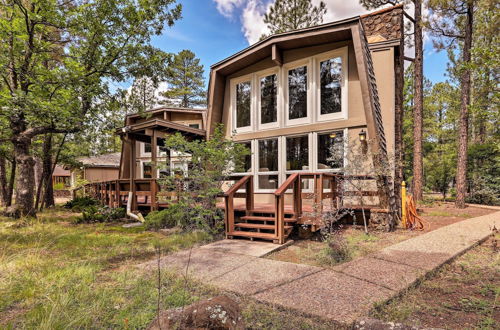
(95, 174)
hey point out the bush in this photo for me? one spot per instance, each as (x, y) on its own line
(100, 214)
(78, 204)
(187, 217)
(170, 217)
(337, 250)
(59, 186)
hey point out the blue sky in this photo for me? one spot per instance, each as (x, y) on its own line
(216, 29)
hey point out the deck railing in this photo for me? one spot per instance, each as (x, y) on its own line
(232, 193)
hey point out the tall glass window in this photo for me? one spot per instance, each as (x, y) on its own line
(243, 102)
(297, 93)
(330, 150)
(268, 99)
(246, 163)
(330, 81)
(297, 153)
(268, 164)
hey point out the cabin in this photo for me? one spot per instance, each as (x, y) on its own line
(291, 99)
(96, 168)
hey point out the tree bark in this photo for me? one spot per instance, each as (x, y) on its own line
(48, 189)
(418, 121)
(25, 178)
(4, 193)
(12, 180)
(463, 133)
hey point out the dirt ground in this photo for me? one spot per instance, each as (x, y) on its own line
(314, 252)
(462, 295)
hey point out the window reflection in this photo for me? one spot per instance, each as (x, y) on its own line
(268, 99)
(297, 93)
(330, 79)
(330, 150)
(297, 153)
(243, 97)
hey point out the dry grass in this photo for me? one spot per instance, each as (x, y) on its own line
(462, 295)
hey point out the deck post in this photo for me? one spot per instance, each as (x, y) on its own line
(297, 198)
(133, 169)
(249, 196)
(117, 194)
(154, 172)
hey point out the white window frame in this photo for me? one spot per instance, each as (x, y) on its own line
(285, 172)
(233, 84)
(142, 149)
(144, 162)
(307, 62)
(316, 149)
(259, 76)
(252, 165)
(256, 171)
(343, 54)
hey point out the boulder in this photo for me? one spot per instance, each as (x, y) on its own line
(220, 312)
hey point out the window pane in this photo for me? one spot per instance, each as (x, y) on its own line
(243, 96)
(268, 100)
(268, 181)
(247, 161)
(331, 76)
(146, 171)
(147, 147)
(330, 150)
(194, 125)
(297, 93)
(268, 155)
(297, 153)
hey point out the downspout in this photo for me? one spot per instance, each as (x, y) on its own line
(134, 216)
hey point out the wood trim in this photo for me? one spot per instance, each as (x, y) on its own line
(276, 55)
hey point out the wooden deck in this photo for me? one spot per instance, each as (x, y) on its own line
(268, 221)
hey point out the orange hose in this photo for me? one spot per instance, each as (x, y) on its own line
(413, 220)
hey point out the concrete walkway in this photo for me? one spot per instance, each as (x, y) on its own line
(343, 293)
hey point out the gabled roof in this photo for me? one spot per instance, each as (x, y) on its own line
(105, 160)
(167, 109)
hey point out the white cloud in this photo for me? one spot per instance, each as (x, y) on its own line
(227, 7)
(252, 20)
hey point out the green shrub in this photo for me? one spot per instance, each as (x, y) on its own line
(78, 204)
(59, 186)
(185, 216)
(336, 251)
(100, 214)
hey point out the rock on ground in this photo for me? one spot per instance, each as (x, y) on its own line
(374, 324)
(219, 312)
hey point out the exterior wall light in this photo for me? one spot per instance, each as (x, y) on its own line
(362, 135)
(333, 135)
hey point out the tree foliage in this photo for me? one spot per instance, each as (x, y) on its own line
(58, 59)
(289, 15)
(186, 84)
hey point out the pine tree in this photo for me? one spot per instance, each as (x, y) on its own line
(186, 84)
(453, 21)
(289, 15)
(142, 96)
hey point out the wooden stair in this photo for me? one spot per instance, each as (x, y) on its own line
(260, 224)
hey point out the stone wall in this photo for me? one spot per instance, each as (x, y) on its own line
(385, 24)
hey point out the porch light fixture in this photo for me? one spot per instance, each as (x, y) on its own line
(125, 129)
(333, 135)
(362, 135)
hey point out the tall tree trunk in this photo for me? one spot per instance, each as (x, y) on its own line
(418, 105)
(25, 182)
(48, 189)
(465, 82)
(4, 192)
(12, 180)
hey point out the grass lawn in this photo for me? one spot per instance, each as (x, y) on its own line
(464, 294)
(55, 274)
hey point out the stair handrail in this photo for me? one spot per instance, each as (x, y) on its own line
(292, 180)
(229, 200)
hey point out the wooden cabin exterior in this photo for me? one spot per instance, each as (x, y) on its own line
(290, 99)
